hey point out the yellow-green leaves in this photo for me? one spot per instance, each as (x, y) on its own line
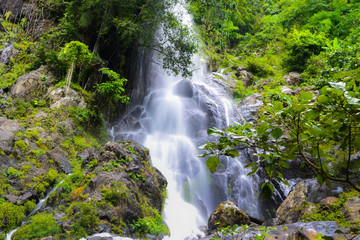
(212, 163)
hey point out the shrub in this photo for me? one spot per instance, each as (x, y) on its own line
(11, 216)
(41, 225)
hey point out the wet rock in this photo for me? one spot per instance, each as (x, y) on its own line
(351, 209)
(271, 222)
(227, 214)
(32, 85)
(125, 184)
(291, 209)
(28, 195)
(62, 98)
(293, 78)
(307, 231)
(184, 89)
(249, 107)
(60, 158)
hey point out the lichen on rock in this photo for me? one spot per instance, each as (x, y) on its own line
(227, 214)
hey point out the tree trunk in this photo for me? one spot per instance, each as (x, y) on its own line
(69, 76)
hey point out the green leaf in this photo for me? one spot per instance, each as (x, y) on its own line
(284, 164)
(232, 153)
(323, 99)
(338, 85)
(350, 99)
(252, 164)
(278, 107)
(276, 133)
(263, 128)
(215, 132)
(212, 163)
(202, 147)
(267, 189)
(253, 170)
(312, 114)
(305, 96)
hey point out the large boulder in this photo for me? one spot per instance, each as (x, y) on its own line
(292, 209)
(293, 78)
(32, 85)
(247, 77)
(227, 214)
(8, 128)
(123, 184)
(60, 97)
(59, 157)
(351, 209)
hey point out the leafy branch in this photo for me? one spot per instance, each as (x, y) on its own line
(321, 131)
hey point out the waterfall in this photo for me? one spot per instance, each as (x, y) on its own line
(170, 116)
(38, 207)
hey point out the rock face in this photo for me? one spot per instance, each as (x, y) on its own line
(59, 97)
(227, 214)
(8, 128)
(249, 107)
(293, 78)
(32, 85)
(123, 187)
(291, 209)
(247, 77)
(351, 209)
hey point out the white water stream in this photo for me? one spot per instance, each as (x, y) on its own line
(38, 207)
(170, 116)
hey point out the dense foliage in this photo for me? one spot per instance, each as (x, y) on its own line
(318, 39)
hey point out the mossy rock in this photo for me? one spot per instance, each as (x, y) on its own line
(227, 214)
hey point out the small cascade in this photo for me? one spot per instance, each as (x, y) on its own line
(170, 116)
(38, 207)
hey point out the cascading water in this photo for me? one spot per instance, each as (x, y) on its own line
(171, 120)
(38, 207)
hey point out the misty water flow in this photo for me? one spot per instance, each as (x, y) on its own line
(170, 116)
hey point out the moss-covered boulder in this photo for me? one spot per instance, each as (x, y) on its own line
(120, 193)
(351, 210)
(227, 214)
(294, 206)
(32, 85)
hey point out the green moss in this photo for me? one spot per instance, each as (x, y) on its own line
(11, 216)
(32, 134)
(21, 145)
(84, 218)
(150, 225)
(334, 213)
(116, 194)
(38, 226)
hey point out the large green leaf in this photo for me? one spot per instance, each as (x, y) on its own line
(215, 132)
(305, 96)
(276, 133)
(212, 163)
(338, 85)
(232, 153)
